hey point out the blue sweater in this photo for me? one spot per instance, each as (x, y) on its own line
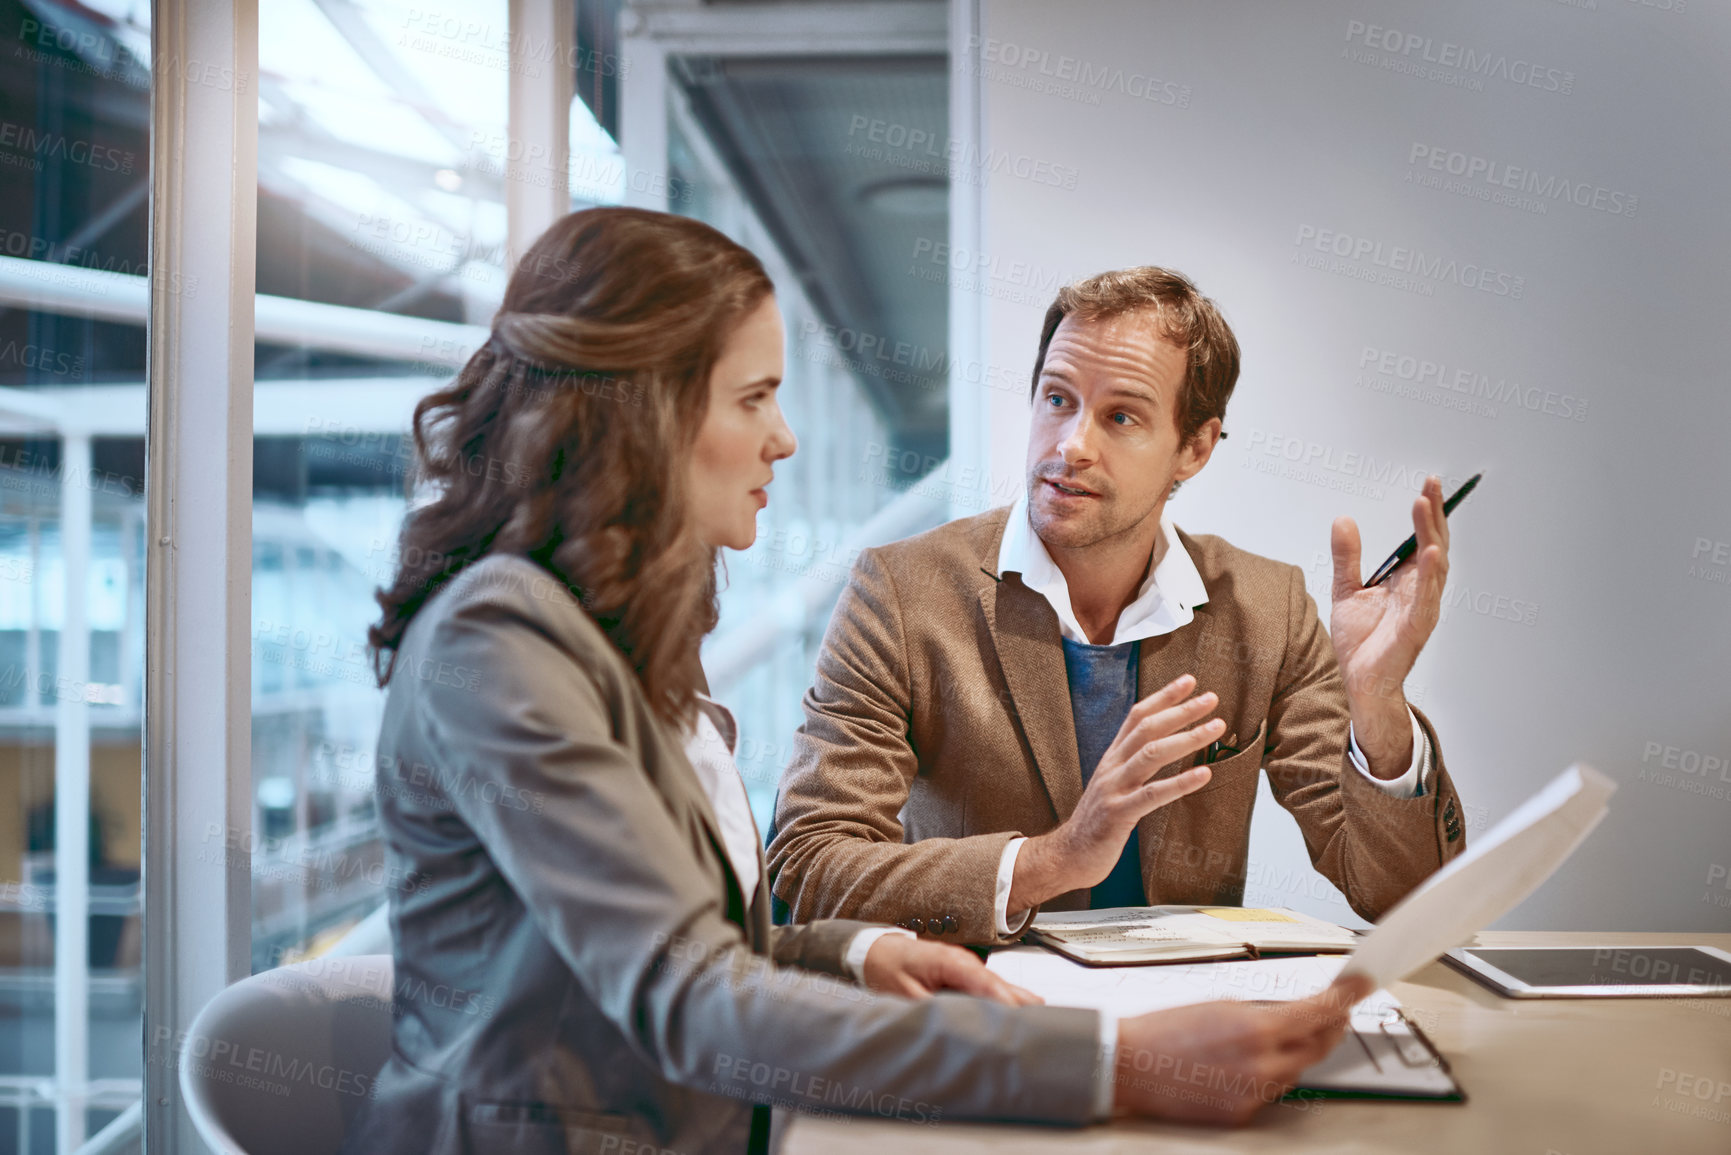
(1102, 690)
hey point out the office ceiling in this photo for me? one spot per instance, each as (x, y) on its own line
(797, 134)
(856, 217)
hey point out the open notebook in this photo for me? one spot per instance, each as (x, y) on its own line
(1124, 935)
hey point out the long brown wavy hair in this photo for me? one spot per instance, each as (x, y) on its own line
(564, 438)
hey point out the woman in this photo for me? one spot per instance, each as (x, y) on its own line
(585, 961)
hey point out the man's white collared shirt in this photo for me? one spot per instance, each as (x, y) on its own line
(1166, 602)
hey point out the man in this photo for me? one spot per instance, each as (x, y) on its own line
(1004, 715)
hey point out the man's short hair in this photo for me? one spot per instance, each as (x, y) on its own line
(1187, 319)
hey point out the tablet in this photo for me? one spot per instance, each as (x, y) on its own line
(1571, 972)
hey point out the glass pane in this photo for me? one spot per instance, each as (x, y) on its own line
(780, 155)
(384, 154)
(74, 220)
(381, 172)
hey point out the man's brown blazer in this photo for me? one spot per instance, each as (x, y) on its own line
(939, 728)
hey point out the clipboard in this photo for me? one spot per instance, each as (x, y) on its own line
(1384, 1056)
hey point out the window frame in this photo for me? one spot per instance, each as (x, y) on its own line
(199, 497)
(203, 183)
(198, 509)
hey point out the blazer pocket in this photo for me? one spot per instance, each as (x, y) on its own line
(1235, 768)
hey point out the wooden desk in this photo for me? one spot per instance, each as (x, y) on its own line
(1542, 1076)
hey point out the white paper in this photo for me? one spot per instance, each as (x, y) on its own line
(1136, 990)
(1488, 880)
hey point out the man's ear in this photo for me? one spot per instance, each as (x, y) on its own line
(1196, 452)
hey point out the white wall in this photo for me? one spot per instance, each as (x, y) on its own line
(1239, 134)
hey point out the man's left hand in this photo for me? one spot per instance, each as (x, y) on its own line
(1378, 632)
(899, 965)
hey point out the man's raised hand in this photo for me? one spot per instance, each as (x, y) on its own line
(1163, 727)
(1379, 632)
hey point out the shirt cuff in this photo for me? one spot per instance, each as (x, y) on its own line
(1001, 897)
(854, 959)
(1412, 784)
(1103, 1084)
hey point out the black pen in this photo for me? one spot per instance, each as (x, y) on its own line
(1410, 545)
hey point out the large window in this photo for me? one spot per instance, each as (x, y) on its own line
(390, 182)
(74, 148)
(386, 166)
(382, 156)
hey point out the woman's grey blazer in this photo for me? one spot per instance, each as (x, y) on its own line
(577, 969)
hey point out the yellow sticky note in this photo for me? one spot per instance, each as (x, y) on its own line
(1245, 914)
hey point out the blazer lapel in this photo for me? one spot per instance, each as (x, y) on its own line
(1024, 631)
(1168, 656)
(1163, 659)
(681, 787)
(757, 914)
(670, 772)
(731, 884)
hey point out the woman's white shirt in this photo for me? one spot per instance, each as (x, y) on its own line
(709, 748)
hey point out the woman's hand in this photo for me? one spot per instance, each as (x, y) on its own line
(899, 965)
(1221, 1062)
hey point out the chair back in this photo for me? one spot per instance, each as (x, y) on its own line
(280, 1063)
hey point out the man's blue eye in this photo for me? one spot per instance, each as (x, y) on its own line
(1121, 418)
(1055, 399)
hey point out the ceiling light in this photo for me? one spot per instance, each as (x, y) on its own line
(917, 196)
